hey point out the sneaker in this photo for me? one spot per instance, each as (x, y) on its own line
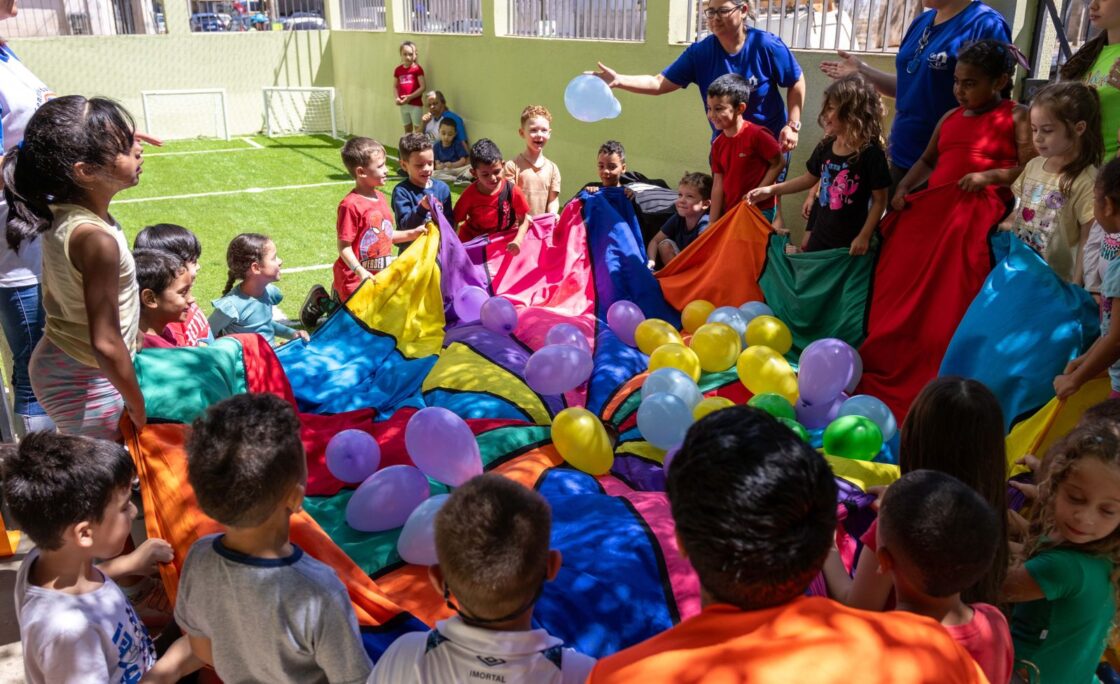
(314, 306)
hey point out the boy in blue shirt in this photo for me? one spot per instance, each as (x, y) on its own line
(412, 198)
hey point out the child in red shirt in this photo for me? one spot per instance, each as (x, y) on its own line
(744, 155)
(194, 331)
(491, 203)
(165, 285)
(936, 537)
(408, 88)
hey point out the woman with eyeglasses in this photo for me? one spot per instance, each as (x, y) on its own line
(923, 83)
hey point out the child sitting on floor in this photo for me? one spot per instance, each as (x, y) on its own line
(165, 295)
(491, 204)
(451, 153)
(850, 165)
(744, 155)
(755, 511)
(492, 541)
(72, 497)
(694, 194)
(247, 308)
(937, 537)
(536, 175)
(177, 240)
(254, 605)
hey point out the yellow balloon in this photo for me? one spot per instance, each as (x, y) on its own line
(696, 313)
(763, 370)
(768, 331)
(710, 405)
(674, 355)
(654, 332)
(582, 440)
(717, 346)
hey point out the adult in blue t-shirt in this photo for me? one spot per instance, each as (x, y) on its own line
(438, 111)
(923, 84)
(733, 48)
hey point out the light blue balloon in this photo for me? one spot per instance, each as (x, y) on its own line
(417, 543)
(673, 381)
(663, 419)
(869, 407)
(729, 315)
(589, 99)
(752, 310)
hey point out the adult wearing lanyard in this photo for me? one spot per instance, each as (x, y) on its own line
(923, 83)
(21, 308)
(733, 47)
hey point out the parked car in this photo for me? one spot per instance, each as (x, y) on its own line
(206, 22)
(304, 21)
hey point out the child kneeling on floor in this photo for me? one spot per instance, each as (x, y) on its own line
(492, 541)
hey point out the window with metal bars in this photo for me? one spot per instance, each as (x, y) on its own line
(443, 16)
(623, 20)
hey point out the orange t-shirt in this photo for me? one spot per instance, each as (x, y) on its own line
(806, 640)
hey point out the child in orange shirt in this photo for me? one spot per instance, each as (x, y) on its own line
(491, 204)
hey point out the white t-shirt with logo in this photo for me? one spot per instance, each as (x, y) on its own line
(455, 652)
(21, 93)
(86, 638)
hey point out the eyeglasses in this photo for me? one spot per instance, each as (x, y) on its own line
(923, 41)
(723, 12)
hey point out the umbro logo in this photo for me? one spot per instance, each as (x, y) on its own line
(490, 661)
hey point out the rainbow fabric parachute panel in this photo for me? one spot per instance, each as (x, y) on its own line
(397, 346)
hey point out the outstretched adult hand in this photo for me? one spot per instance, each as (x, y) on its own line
(609, 75)
(848, 64)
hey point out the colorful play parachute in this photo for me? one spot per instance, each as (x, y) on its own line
(397, 346)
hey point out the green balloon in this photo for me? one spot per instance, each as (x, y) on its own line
(853, 437)
(798, 428)
(774, 404)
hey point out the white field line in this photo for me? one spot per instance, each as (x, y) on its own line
(188, 152)
(303, 269)
(218, 193)
(253, 143)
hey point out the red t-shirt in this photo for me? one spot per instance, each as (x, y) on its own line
(367, 224)
(806, 640)
(988, 639)
(477, 212)
(150, 341)
(408, 82)
(743, 161)
(191, 331)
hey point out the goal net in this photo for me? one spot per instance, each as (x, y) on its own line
(178, 114)
(290, 111)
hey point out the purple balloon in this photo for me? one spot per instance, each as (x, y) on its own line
(566, 333)
(417, 543)
(824, 370)
(386, 499)
(669, 456)
(353, 455)
(468, 303)
(442, 446)
(857, 372)
(817, 416)
(498, 314)
(623, 317)
(558, 368)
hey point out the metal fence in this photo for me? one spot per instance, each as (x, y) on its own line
(43, 18)
(853, 25)
(443, 16)
(216, 16)
(363, 15)
(623, 20)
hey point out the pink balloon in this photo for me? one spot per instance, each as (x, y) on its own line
(670, 455)
(623, 317)
(817, 416)
(442, 446)
(468, 303)
(558, 368)
(498, 314)
(824, 370)
(386, 499)
(566, 333)
(353, 455)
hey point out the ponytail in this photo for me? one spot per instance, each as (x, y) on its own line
(229, 283)
(28, 211)
(1083, 60)
(243, 251)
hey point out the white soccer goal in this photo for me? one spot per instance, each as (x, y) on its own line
(291, 111)
(178, 114)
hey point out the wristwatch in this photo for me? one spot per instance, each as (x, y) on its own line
(795, 125)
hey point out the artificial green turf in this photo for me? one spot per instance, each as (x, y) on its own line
(301, 221)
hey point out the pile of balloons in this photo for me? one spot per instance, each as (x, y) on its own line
(563, 364)
(443, 449)
(589, 99)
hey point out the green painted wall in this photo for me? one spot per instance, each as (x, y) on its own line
(242, 63)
